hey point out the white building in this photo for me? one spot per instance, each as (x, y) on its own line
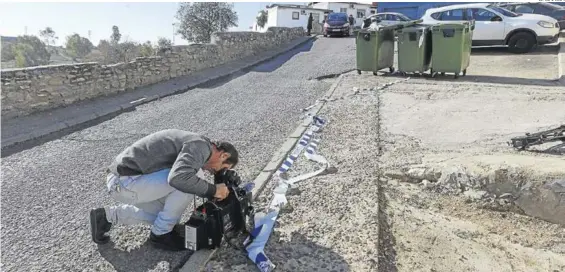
(358, 10)
(284, 15)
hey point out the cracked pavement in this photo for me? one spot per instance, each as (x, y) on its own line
(48, 190)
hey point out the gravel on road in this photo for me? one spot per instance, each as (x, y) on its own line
(48, 190)
(331, 221)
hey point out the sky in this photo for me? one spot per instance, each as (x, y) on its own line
(140, 22)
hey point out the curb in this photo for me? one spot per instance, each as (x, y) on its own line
(561, 58)
(199, 259)
(65, 127)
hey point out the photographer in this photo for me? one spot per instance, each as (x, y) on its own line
(156, 180)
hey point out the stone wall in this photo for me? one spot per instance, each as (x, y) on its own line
(34, 89)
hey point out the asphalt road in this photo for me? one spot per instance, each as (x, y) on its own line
(48, 190)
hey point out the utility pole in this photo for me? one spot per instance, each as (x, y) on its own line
(25, 30)
(174, 25)
(89, 33)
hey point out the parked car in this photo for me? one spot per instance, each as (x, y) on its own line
(554, 11)
(496, 26)
(337, 24)
(386, 19)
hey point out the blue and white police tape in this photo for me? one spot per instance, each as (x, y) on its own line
(264, 224)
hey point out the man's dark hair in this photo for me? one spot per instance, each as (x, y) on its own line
(229, 148)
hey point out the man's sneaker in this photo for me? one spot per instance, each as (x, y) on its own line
(168, 241)
(99, 225)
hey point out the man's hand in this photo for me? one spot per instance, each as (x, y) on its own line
(221, 191)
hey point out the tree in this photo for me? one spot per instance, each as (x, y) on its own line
(78, 46)
(198, 20)
(128, 50)
(8, 51)
(116, 36)
(105, 49)
(25, 56)
(164, 43)
(48, 36)
(146, 49)
(262, 18)
(30, 51)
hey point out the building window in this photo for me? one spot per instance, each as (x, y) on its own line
(360, 13)
(343, 10)
(295, 15)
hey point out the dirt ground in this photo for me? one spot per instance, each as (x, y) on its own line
(355, 221)
(440, 124)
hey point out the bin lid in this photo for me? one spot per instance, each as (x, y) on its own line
(366, 30)
(401, 25)
(415, 28)
(456, 26)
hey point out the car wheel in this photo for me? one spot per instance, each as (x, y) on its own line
(521, 42)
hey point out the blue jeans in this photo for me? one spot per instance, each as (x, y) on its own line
(147, 199)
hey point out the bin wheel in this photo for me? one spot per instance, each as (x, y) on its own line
(391, 69)
(358, 71)
(465, 72)
(375, 74)
(442, 73)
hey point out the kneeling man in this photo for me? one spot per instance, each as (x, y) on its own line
(155, 179)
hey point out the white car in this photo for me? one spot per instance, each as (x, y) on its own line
(386, 19)
(498, 26)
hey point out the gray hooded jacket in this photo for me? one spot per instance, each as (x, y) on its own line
(182, 151)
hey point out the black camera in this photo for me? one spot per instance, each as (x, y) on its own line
(216, 220)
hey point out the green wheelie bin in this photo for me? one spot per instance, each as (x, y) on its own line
(365, 43)
(451, 48)
(375, 50)
(414, 49)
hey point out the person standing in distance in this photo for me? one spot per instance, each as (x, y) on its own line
(155, 179)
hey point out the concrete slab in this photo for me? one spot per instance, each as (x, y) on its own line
(197, 261)
(299, 131)
(538, 65)
(260, 182)
(280, 155)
